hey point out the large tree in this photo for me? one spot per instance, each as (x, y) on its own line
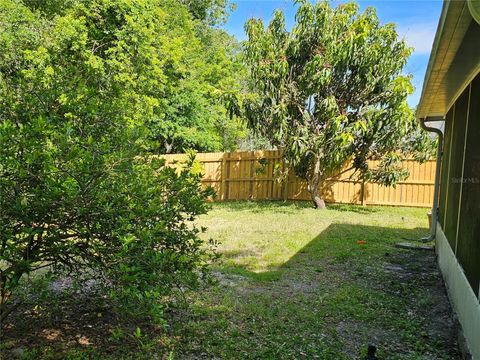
(79, 83)
(330, 91)
(193, 113)
(201, 64)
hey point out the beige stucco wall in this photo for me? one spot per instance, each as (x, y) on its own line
(462, 297)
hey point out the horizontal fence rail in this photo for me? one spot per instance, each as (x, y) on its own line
(251, 175)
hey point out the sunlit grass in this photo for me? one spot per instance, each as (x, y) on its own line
(262, 236)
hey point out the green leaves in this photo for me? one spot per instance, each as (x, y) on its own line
(389, 172)
(80, 82)
(330, 90)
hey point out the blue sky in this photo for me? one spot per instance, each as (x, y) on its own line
(416, 22)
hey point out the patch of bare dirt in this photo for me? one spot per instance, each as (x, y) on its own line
(414, 276)
(71, 318)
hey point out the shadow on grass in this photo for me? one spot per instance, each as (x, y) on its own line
(354, 208)
(290, 206)
(257, 206)
(354, 293)
(84, 326)
(337, 244)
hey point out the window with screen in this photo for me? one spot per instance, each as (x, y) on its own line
(468, 246)
(445, 163)
(455, 167)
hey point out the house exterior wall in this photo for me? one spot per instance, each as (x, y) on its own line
(459, 213)
(458, 232)
(462, 297)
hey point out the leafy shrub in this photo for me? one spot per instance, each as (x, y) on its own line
(76, 191)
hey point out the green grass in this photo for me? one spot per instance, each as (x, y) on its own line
(264, 237)
(294, 282)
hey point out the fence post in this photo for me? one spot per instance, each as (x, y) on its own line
(223, 194)
(252, 175)
(285, 181)
(362, 192)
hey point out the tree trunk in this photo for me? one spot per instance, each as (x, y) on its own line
(168, 146)
(318, 202)
(313, 185)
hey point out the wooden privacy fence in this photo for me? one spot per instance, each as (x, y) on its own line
(250, 175)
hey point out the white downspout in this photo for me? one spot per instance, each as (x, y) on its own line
(436, 188)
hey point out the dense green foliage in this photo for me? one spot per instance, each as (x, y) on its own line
(192, 114)
(81, 83)
(199, 64)
(332, 90)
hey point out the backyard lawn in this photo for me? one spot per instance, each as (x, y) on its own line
(293, 282)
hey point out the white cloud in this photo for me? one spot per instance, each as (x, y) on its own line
(420, 36)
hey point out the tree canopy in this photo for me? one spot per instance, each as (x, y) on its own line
(331, 90)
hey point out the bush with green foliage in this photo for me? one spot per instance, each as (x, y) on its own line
(79, 82)
(330, 91)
